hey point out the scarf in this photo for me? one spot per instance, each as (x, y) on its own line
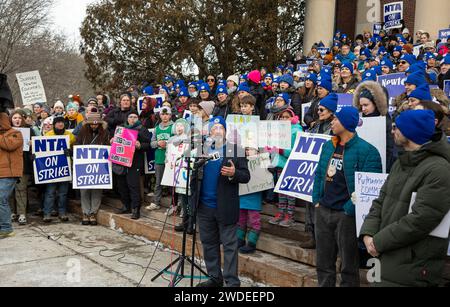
(73, 117)
(137, 124)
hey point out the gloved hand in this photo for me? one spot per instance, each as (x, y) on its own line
(272, 150)
(354, 198)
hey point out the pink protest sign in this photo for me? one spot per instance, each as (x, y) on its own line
(124, 146)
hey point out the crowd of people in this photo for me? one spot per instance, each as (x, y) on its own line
(417, 156)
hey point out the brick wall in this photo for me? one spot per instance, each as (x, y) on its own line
(346, 17)
(409, 12)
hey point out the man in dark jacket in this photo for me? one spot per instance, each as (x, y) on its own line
(119, 115)
(218, 211)
(400, 234)
(335, 212)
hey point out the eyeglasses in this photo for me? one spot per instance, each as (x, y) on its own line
(211, 80)
(321, 110)
(403, 62)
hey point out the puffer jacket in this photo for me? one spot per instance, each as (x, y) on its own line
(409, 255)
(359, 156)
(11, 149)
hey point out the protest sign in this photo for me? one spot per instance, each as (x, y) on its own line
(244, 129)
(323, 51)
(175, 172)
(303, 68)
(123, 147)
(373, 130)
(297, 178)
(395, 85)
(310, 61)
(344, 100)
(305, 109)
(92, 169)
(444, 34)
(393, 15)
(51, 164)
(159, 101)
(261, 179)
(150, 157)
(26, 135)
(416, 50)
(447, 88)
(367, 189)
(274, 134)
(31, 87)
(377, 27)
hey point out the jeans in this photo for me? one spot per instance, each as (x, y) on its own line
(159, 173)
(91, 201)
(6, 187)
(336, 233)
(50, 195)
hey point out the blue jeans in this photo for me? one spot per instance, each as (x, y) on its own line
(6, 187)
(49, 199)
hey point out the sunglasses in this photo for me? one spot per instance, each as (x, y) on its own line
(403, 62)
(321, 110)
(211, 80)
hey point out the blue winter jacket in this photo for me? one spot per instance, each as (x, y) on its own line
(347, 58)
(359, 156)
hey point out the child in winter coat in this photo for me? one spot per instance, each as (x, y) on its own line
(286, 205)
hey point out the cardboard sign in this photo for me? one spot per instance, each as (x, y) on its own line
(297, 178)
(274, 134)
(373, 131)
(175, 172)
(243, 129)
(367, 189)
(31, 87)
(261, 179)
(26, 135)
(393, 15)
(92, 169)
(51, 164)
(395, 85)
(124, 146)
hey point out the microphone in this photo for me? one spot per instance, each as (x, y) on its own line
(203, 160)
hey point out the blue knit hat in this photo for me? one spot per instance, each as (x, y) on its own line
(330, 102)
(184, 92)
(243, 87)
(388, 63)
(287, 78)
(382, 50)
(378, 70)
(369, 75)
(422, 92)
(428, 56)
(193, 84)
(312, 77)
(219, 120)
(167, 79)
(204, 87)
(408, 58)
(417, 78)
(222, 90)
(285, 97)
(349, 118)
(180, 84)
(397, 48)
(72, 106)
(446, 60)
(366, 52)
(269, 76)
(419, 66)
(149, 90)
(326, 83)
(417, 126)
(349, 66)
(325, 73)
(276, 80)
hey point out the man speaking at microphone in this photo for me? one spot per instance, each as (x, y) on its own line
(218, 211)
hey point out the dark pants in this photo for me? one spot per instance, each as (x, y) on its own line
(130, 189)
(336, 233)
(310, 218)
(212, 234)
(50, 196)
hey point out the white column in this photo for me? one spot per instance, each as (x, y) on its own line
(319, 23)
(432, 16)
(368, 12)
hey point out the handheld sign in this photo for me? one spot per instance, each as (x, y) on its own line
(124, 146)
(243, 129)
(377, 27)
(175, 172)
(51, 164)
(444, 34)
(159, 101)
(297, 178)
(395, 85)
(261, 179)
(344, 100)
(31, 88)
(92, 169)
(372, 129)
(26, 135)
(150, 157)
(393, 15)
(275, 134)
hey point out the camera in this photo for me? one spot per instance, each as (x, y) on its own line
(6, 99)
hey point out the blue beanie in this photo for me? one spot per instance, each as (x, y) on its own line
(269, 76)
(417, 78)
(219, 120)
(369, 75)
(204, 87)
(398, 49)
(337, 44)
(245, 77)
(180, 84)
(366, 52)
(72, 106)
(243, 87)
(422, 92)
(149, 90)
(325, 73)
(417, 126)
(193, 84)
(312, 77)
(222, 90)
(276, 80)
(446, 59)
(387, 62)
(285, 97)
(184, 92)
(349, 66)
(428, 56)
(349, 118)
(378, 70)
(408, 58)
(287, 78)
(382, 50)
(330, 102)
(168, 78)
(419, 66)
(325, 83)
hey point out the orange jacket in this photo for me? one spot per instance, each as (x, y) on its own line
(11, 150)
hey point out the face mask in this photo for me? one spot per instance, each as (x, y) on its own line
(194, 94)
(232, 90)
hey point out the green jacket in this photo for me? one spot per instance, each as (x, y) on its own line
(408, 255)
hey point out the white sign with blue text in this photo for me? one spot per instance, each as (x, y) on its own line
(91, 168)
(393, 15)
(51, 165)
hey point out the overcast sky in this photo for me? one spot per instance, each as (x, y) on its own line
(67, 16)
